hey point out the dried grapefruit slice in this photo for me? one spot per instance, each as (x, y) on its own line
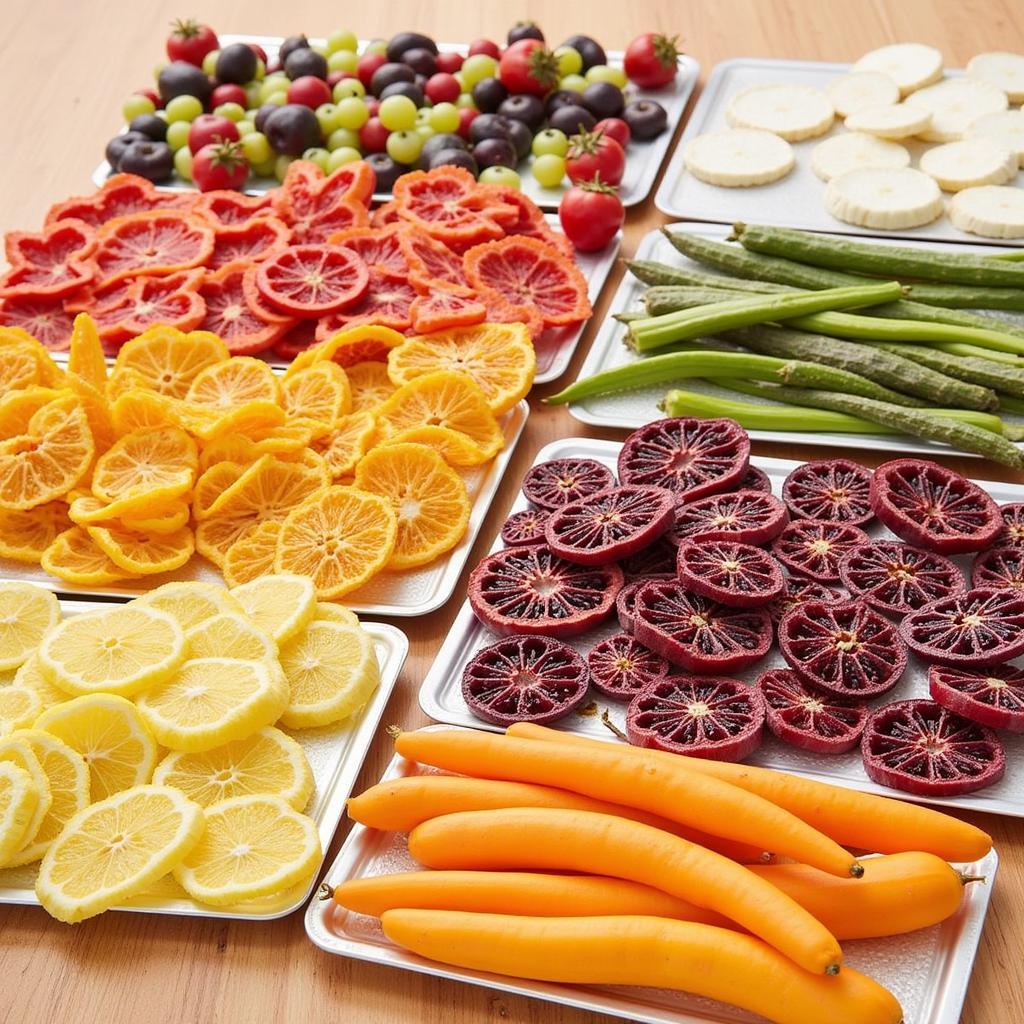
(168, 360)
(44, 318)
(74, 558)
(120, 196)
(431, 263)
(370, 384)
(53, 262)
(311, 280)
(379, 248)
(232, 383)
(155, 242)
(320, 393)
(230, 316)
(226, 207)
(385, 214)
(386, 303)
(530, 220)
(442, 310)
(166, 301)
(321, 226)
(355, 181)
(25, 535)
(147, 468)
(251, 242)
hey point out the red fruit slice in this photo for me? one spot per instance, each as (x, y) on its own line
(620, 667)
(311, 280)
(97, 301)
(551, 485)
(385, 303)
(530, 589)
(931, 506)
(749, 517)
(797, 592)
(524, 679)
(898, 578)
(256, 301)
(232, 208)
(659, 559)
(814, 549)
(610, 524)
(921, 748)
(298, 196)
(53, 262)
(442, 310)
(157, 242)
(379, 249)
(354, 182)
(321, 226)
(432, 262)
(808, 718)
(689, 456)
(755, 480)
(978, 628)
(696, 633)
(844, 648)
(229, 315)
(297, 338)
(737, 575)
(1012, 534)
(625, 603)
(526, 527)
(252, 242)
(716, 718)
(121, 196)
(501, 311)
(385, 214)
(44, 318)
(833, 490)
(994, 697)
(999, 567)
(530, 220)
(173, 301)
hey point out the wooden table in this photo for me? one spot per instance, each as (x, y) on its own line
(65, 69)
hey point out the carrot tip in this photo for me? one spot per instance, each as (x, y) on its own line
(857, 870)
(832, 970)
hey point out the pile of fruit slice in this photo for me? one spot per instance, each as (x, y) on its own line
(293, 266)
(147, 738)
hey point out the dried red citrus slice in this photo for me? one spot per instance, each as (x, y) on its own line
(657, 560)
(749, 517)
(833, 490)
(921, 748)
(385, 303)
(155, 242)
(992, 697)
(557, 482)
(54, 262)
(526, 527)
(379, 248)
(431, 263)
(625, 602)
(298, 338)
(998, 567)
(226, 207)
(620, 667)
(1012, 534)
(311, 280)
(712, 717)
(755, 480)
(320, 227)
(797, 592)
(898, 578)
(44, 318)
(530, 220)
(252, 242)
(229, 315)
(121, 196)
(298, 195)
(524, 679)
(355, 182)
(814, 549)
(442, 310)
(737, 575)
(385, 214)
(171, 301)
(259, 305)
(807, 718)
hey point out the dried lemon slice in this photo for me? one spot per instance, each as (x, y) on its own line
(18, 798)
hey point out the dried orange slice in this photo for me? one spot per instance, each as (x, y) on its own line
(85, 356)
(213, 488)
(256, 416)
(169, 519)
(289, 439)
(74, 558)
(137, 409)
(18, 407)
(143, 554)
(168, 359)
(24, 536)
(348, 441)
(97, 410)
(252, 556)
(19, 364)
(351, 346)
(232, 383)
(339, 538)
(320, 393)
(146, 469)
(428, 497)
(452, 445)
(370, 385)
(153, 242)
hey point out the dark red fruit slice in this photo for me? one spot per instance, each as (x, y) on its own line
(659, 559)
(845, 648)
(689, 456)
(931, 506)
(319, 228)
(171, 300)
(311, 280)
(737, 575)
(296, 339)
(120, 196)
(808, 718)
(530, 219)
(711, 717)
(749, 517)
(378, 248)
(53, 262)
(230, 317)
(432, 263)
(833, 490)
(355, 181)
(226, 207)
(386, 303)
(441, 310)
(814, 549)
(625, 603)
(252, 242)
(44, 318)
(620, 667)
(999, 567)
(898, 578)
(977, 628)
(155, 242)
(994, 697)
(797, 592)
(557, 482)
(526, 527)
(610, 525)
(1012, 534)
(524, 679)
(532, 590)
(756, 480)
(921, 748)
(698, 634)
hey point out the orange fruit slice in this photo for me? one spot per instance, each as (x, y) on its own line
(351, 346)
(74, 558)
(152, 242)
(252, 417)
(168, 360)
(97, 410)
(252, 556)
(18, 407)
(19, 365)
(169, 519)
(13, 339)
(85, 356)
(348, 441)
(24, 536)
(213, 488)
(137, 409)
(452, 445)
(370, 385)
(146, 469)
(339, 538)
(143, 554)
(232, 383)
(319, 393)
(428, 497)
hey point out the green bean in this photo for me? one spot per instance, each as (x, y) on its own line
(662, 275)
(975, 371)
(955, 348)
(907, 309)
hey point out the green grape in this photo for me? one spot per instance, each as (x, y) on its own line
(157, 68)
(183, 108)
(252, 94)
(177, 134)
(476, 68)
(551, 140)
(232, 111)
(444, 118)
(574, 83)
(549, 169)
(604, 73)
(342, 60)
(276, 99)
(424, 131)
(265, 169)
(281, 165)
(261, 70)
(183, 163)
(461, 79)
(210, 63)
(500, 176)
(569, 61)
(350, 112)
(397, 114)
(136, 105)
(377, 46)
(465, 100)
(342, 40)
(342, 137)
(319, 48)
(327, 116)
(423, 115)
(269, 87)
(404, 146)
(245, 127)
(343, 155)
(317, 155)
(348, 87)
(256, 148)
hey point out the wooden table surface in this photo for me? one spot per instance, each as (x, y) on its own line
(65, 68)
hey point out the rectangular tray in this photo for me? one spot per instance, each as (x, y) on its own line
(631, 409)
(335, 755)
(441, 692)
(642, 166)
(411, 592)
(928, 971)
(795, 201)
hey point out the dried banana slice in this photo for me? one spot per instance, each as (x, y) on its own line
(793, 112)
(860, 89)
(1003, 70)
(1006, 126)
(969, 163)
(954, 104)
(910, 65)
(737, 157)
(851, 150)
(875, 197)
(992, 211)
(897, 121)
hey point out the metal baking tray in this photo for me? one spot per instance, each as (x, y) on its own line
(798, 199)
(335, 754)
(928, 970)
(441, 692)
(631, 409)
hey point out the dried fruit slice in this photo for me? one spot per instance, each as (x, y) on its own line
(297, 340)
(281, 606)
(933, 507)
(810, 719)
(167, 301)
(311, 280)
(898, 578)
(370, 384)
(379, 248)
(558, 482)
(362, 343)
(354, 182)
(443, 310)
(74, 558)
(432, 265)
(230, 316)
(45, 319)
(1012, 534)
(167, 361)
(252, 556)
(233, 383)
(524, 679)
(250, 242)
(797, 592)
(143, 553)
(712, 717)
(27, 613)
(625, 602)
(737, 575)
(190, 604)
(814, 549)
(755, 480)
(657, 560)
(994, 697)
(324, 224)
(620, 666)
(843, 648)
(227, 207)
(745, 516)
(53, 262)
(385, 302)
(531, 590)
(346, 443)
(147, 468)
(25, 535)
(319, 393)
(997, 568)
(526, 527)
(921, 748)
(85, 355)
(120, 196)
(154, 242)
(830, 490)
(530, 220)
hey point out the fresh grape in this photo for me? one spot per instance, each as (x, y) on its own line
(256, 148)
(569, 61)
(342, 60)
(461, 79)
(398, 114)
(498, 175)
(342, 40)
(252, 94)
(342, 137)
(349, 87)
(245, 127)
(183, 108)
(551, 140)
(210, 63)
(604, 73)
(265, 169)
(549, 169)
(404, 146)
(318, 156)
(272, 85)
(574, 83)
(327, 116)
(350, 112)
(183, 163)
(377, 46)
(342, 155)
(424, 131)
(157, 68)
(444, 118)
(281, 165)
(276, 99)
(261, 70)
(232, 111)
(177, 134)
(465, 101)
(476, 68)
(135, 105)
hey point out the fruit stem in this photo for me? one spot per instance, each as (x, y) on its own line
(394, 731)
(607, 721)
(857, 870)
(325, 892)
(967, 879)
(832, 970)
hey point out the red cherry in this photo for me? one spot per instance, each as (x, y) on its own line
(259, 51)
(442, 88)
(467, 115)
(368, 63)
(228, 93)
(152, 95)
(373, 136)
(372, 105)
(310, 91)
(615, 128)
(492, 49)
(449, 63)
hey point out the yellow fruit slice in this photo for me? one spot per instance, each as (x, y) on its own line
(168, 519)
(24, 536)
(456, 448)
(18, 407)
(268, 762)
(18, 798)
(190, 604)
(115, 849)
(347, 442)
(97, 412)
(211, 701)
(328, 611)
(144, 554)
(122, 649)
(214, 488)
(252, 556)
(233, 383)
(230, 635)
(319, 393)
(111, 736)
(18, 752)
(253, 417)
(168, 360)
(19, 707)
(370, 385)
(30, 676)
(137, 409)
(278, 605)
(332, 672)
(50, 375)
(85, 355)
(348, 347)
(19, 365)
(253, 846)
(74, 557)
(147, 468)
(27, 613)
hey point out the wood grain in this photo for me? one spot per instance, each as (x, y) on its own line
(65, 68)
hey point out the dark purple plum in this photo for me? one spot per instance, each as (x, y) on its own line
(150, 125)
(603, 99)
(263, 113)
(119, 143)
(299, 42)
(521, 137)
(179, 78)
(524, 30)
(561, 98)
(387, 171)
(489, 94)
(148, 159)
(445, 140)
(388, 74)
(236, 63)
(410, 89)
(488, 126)
(646, 118)
(495, 153)
(402, 42)
(569, 120)
(421, 60)
(303, 62)
(292, 129)
(455, 158)
(525, 108)
(589, 49)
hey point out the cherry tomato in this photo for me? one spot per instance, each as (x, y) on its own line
(590, 213)
(310, 91)
(449, 63)
(650, 60)
(591, 154)
(259, 51)
(368, 63)
(228, 93)
(528, 66)
(442, 88)
(467, 115)
(615, 128)
(219, 165)
(210, 128)
(191, 42)
(492, 49)
(373, 136)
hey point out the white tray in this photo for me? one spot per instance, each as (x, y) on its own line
(795, 201)
(643, 160)
(631, 409)
(335, 755)
(928, 970)
(412, 592)
(441, 693)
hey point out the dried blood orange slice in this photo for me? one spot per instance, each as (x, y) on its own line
(1012, 534)
(252, 242)
(713, 717)
(385, 214)
(121, 196)
(319, 228)
(993, 697)
(299, 337)
(531, 590)
(169, 301)
(557, 482)
(311, 280)
(355, 181)
(928, 505)
(259, 305)
(620, 667)
(501, 311)
(526, 527)
(979, 627)
(814, 549)
(625, 603)
(385, 303)
(43, 318)
(844, 648)
(54, 262)
(998, 567)
(156, 242)
(659, 559)
(832, 490)
(530, 220)
(524, 679)
(231, 208)
(431, 263)
(229, 315)
(921, 748)
(298, 195)
(737, 575)
(749, 517)
(696, 633)
(379, 248)
(797, 592)
(808, 718)
(898, 578)
(755, 480)
(689, 456)
(359, 344)
(442, 310)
